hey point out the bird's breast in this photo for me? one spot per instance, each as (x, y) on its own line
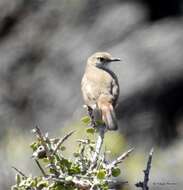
(99, 80)
(94, 83)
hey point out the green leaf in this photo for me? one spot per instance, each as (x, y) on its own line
(65, 163)
(42, 184)
(74, 170)
(46, 160)
(56, 186)
(116, 172)
(31, 182)
(52, 170)
(104, 186)
(99, 122)
(34, 146)
(90, 130)
(62, 148)
(85, 120)
(76, 154)
(14, 187)
(101, 174)
(18, 179)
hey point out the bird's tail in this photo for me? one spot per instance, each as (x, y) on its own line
(108, 115)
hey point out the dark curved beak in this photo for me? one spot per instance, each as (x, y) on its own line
(115, 59)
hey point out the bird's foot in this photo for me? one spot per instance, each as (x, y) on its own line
(92, 118)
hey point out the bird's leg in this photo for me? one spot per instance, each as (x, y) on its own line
(90, 113)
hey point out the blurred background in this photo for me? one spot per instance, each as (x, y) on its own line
(43, 50)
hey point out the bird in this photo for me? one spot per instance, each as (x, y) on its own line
(100, 87)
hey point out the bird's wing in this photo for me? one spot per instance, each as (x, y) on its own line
(115, 90)
(114, 85)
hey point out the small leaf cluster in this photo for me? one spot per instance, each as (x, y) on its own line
(61, 173)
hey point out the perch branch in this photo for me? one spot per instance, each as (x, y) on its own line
(144, 184)
(101, 132)
(99, 143)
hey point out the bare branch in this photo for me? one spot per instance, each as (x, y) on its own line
(122, 157)
(61, 141)
(38, 132)
(101, 132)
(82, 184)
(118, 161)
(98, 146)
(42, 171)
(83, 141)
(144, 184)
(21, 173)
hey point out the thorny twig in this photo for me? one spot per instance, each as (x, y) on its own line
(144, 184)
(21, 173)
(120, 159)
(61, 141)
(42, 138)
(40, 167)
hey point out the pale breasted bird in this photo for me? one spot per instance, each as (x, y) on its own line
(100, 87)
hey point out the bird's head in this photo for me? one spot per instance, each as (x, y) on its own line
(101, 59)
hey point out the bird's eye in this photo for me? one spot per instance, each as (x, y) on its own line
(101, 59)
